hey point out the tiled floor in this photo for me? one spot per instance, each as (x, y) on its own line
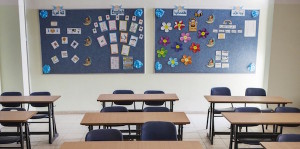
(69, 129)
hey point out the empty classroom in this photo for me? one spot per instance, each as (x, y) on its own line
(132, 74)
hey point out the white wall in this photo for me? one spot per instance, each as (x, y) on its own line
(284, 68)
(10, 51)
(79, 92)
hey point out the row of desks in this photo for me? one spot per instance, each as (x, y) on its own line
(237, 119)
(213, 100)
(92, 119)
(135, 118)
(22, 117)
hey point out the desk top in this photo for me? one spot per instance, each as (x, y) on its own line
(16, 116)
(137, 97)
(280, 145)
(247, 99)
(28, 99)
(262, 118)
(133, 145)
(122, 118)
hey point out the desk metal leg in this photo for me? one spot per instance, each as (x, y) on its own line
(181, 132)
(91, 127)
(171, 106)
(21, 136)
(235, 137)
(103, 104)
(50, 124)
(231, 136)
(28, 144)
(53, 121)
(212, 123)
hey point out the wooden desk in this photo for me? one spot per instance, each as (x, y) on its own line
(237, 119)
(238, 99)
(38, 99)
(133, 145)
(247, 99)
(262, 118)
(138, 98)
(16, 116)
(28, 99)
(134, 118)
(281, 145)
(20, 117)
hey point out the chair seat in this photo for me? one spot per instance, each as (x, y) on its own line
(219, 111)
(266, 110)
(40, 116)
(9, 139)
(254, 141)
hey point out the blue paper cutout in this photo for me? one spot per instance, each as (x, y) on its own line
(138, 12)
(251, 67)
(158, 66)
(46, 69)
(255, 13)
(44, 14)
(159, 13)
(138, 64)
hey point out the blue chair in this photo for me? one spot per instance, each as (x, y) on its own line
(123, 102)
(286, 110)
(251, 141)
(115, 109)
(258, 92)
(288, 138)
(104, 135)
(11, 94)
(248, 109)
(219, 91)
(11, 139)
(158, 131)
(12, 124)
(40, 114)
(156, 109)
(153, 103)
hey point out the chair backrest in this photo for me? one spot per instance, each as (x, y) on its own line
(288, 138)
(104, 135)
(11, 94)
(220, 91)
(154, 103)
(39, 94)
(123, 92)
(158, 131)
(287, 110)
(12, 124)
(156, 109)
(255, 92)
(247, 109)
(114, 109)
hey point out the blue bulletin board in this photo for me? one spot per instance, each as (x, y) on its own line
(79, 41)
(228, 44)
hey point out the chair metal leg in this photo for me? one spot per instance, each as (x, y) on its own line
(207, 118)
(263, 129)
(266, 127)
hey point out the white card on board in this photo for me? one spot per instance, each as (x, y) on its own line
(101, 40)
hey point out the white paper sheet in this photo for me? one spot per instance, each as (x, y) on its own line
(250, 28)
